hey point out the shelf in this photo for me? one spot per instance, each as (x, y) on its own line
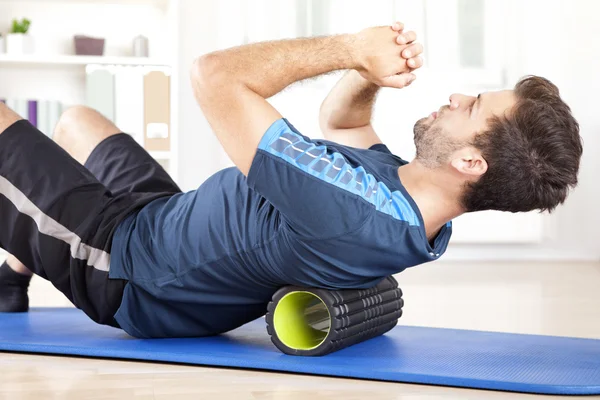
(159, 3)
(66, 60)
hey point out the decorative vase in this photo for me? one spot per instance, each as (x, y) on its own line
(140, 46)
(19, 43)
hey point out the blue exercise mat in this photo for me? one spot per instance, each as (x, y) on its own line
(484, 360)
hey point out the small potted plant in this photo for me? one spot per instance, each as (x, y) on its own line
(18, 41)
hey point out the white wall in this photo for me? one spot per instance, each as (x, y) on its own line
(200, 154)
(560, 40)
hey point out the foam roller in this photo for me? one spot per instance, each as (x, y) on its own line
(315, 322)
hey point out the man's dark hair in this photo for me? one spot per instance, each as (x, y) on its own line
(533, 153)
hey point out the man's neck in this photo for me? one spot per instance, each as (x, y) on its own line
(436, 193)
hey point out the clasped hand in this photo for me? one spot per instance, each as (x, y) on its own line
(387, 56)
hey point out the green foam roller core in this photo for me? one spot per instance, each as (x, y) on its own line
(301, 320)
(315, 322)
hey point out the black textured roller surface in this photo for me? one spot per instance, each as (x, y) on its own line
(332, 319)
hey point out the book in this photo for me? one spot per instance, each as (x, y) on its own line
(20, 107)
(32, 112)
(42, 118)
(157, 111)
(100, 92)
(54, 112)
(129, 102)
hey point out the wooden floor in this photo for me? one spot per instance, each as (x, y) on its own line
(544, 298)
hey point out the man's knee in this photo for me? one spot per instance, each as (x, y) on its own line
(7, 117)
(66, 125)
(80, 129)
(81, 122)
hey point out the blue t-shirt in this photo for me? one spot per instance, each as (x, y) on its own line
(310, 213)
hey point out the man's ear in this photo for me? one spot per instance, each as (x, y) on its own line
(470, 162)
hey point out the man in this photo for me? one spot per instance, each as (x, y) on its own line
(120, 240)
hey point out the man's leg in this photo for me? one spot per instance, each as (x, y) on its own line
(78, 131)
(7, 117)
(56, 218)
(14, 282)
(14, 277)
(119, 163)
(117, 160)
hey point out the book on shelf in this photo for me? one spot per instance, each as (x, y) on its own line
(136, 99)
(100, 92)
(32, 112)
(43, 117)
(55, 109)
(157, 111)
(43, 114)
(48, 113)
(129, 102)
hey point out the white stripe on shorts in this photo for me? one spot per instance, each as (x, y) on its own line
(99, 259)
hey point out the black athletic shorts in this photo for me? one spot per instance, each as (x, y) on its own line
(58, 217)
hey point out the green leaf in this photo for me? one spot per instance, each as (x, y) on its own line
(20, 27)
(25, 23)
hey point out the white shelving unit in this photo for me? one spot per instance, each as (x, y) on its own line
(53, 72)
(161, 3)
(73, 60)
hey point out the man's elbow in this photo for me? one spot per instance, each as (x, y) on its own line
(206, 72)
(324, 114)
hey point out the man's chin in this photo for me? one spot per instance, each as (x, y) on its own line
(424, 121)
(421, 124)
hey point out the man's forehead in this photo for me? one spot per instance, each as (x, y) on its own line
(499, 94)
(497, 102)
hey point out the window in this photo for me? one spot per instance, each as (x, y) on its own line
(464, 41)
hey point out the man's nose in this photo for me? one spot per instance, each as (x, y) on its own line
(458, 100)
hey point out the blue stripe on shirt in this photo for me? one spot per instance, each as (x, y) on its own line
(331, 167)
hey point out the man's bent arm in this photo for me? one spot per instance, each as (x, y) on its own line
(267, 68)
(231, 85)
(345, 115)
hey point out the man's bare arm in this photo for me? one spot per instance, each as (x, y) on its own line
(231, 85)
(346, 113)
(7, 117)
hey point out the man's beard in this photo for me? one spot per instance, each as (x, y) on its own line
(434, 146)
